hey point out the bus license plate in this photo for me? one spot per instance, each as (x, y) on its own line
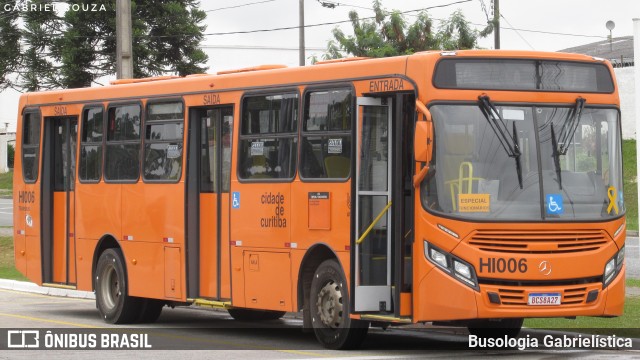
(544, 299)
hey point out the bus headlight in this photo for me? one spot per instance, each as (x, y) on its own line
(462, 269)
(439, 258)
(613, 267)
(452, 265)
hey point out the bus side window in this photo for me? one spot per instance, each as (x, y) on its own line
(326, 134)
(268, 139)
(164, 130)
(122, 160)
(91, 144)
(30, 146)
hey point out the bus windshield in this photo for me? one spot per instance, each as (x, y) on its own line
(555, 176)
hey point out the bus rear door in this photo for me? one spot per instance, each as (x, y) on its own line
(208, 183)
(59, 156)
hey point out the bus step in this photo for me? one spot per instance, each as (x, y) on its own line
(59, 286)
(211, 303)
(392, 319)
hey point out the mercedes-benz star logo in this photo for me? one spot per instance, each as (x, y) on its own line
(545, 267)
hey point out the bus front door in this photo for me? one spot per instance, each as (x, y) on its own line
(373, 256)
(61, 136)
(208, 182)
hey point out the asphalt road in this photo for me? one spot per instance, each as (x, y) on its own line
(632, 254)
(225, 338)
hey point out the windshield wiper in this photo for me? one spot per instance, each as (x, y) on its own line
(499, 127)
(570, 126)
(561, 143)
(556, 156)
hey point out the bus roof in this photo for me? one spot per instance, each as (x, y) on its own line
(270, 75)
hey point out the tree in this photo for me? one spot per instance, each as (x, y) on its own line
(9, 45)
(74, 49)
(36, 69)
(79, 49)
(389, 34)
(10, 155)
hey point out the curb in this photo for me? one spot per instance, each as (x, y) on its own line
(29, 287)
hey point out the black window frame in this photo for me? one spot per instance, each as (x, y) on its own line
(122, 142)
(84, 143)
(294, 136)
(31, 112)
(342, 133)
(144, 142)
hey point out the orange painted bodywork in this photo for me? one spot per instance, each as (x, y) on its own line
(262, 245)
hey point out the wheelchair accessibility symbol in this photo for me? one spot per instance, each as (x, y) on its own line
(554, 204)
(235, 200)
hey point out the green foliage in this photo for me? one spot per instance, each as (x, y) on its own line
(72, 50)
(7, 265)
(389, 34)
(6, 182)
(625, 325)
(9, 43)
(37, 70)
(11, 151)
(630, 178)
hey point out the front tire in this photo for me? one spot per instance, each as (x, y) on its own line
(112, 293)
(330, 308)
(255, 315)
(496, 328)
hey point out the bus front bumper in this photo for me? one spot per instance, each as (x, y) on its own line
(442, 298)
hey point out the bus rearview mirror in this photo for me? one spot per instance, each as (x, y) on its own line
(422, 141)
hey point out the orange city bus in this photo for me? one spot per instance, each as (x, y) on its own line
(472, 188)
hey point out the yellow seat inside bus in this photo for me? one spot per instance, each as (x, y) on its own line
(337, 166)
(259, 168)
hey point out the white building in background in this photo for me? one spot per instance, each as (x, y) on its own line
(620, 52)
(6, 138)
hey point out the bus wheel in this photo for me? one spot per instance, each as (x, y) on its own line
(112, 299)
(330, 308)
(255, 315)
(150, 311)
(496, 328)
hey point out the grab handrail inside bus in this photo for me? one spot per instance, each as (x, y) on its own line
(375, 221)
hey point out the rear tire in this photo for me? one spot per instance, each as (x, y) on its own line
(496, 328)
(330, 308)
(150, 311)
(255, 315)
(112, 293)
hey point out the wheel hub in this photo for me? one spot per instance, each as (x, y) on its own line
(110, 287)
(329, 305)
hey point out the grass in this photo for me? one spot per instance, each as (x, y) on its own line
(625, 325)
(630, 177)
(6, 184)
(7, 265)
(6, 180)
(633, 282)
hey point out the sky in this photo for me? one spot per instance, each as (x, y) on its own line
(574, 22)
